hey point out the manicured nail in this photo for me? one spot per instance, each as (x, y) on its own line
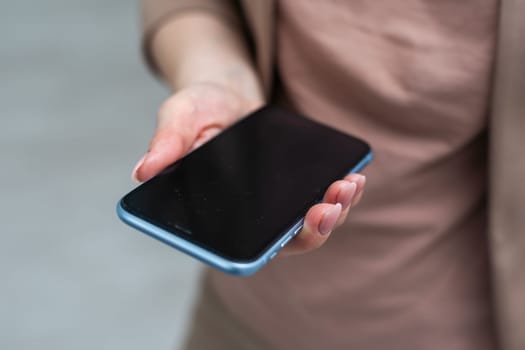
(136, 168)
(361, 180)
(329, 219)
(346, 193)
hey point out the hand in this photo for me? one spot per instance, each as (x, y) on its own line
(196, 113)
(188, 119)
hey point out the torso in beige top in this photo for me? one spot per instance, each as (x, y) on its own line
(409, 268)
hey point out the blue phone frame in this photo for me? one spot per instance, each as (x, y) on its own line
(238, 268)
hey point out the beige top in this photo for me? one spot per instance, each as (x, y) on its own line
(409, 270)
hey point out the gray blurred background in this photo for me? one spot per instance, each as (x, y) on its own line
(77, 110)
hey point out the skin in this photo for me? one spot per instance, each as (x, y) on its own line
(210, 71)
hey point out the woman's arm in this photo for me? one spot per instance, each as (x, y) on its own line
(196, 47)
(207, 64)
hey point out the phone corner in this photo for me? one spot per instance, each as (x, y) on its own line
(122, 214)
(369, 157)
(241, 269)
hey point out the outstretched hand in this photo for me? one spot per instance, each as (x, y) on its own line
(188, 119)
(195, 114)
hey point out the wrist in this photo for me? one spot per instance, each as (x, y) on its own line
(238, 78)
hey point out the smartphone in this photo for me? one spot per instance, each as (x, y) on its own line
(237, 200)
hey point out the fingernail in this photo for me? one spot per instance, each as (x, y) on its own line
(346, 193)
(329, 219)
(361, 180)
(136, 168)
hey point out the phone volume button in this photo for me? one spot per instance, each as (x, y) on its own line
(286, 241)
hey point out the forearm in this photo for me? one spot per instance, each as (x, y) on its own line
(197, 47)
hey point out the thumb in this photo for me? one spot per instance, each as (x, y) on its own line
(176, 131)
(166, 148)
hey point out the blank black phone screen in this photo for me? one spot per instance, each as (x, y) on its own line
(239, 193)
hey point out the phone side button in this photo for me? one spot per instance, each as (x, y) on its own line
(286, 241)
(272, 256)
